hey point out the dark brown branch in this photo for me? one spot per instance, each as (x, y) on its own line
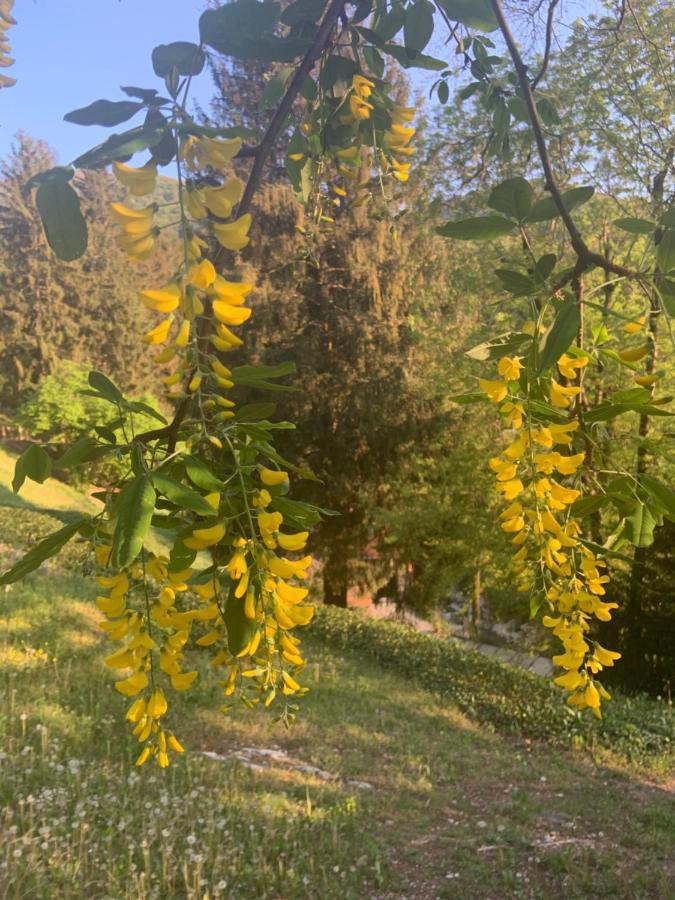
(265, 147)
(587, 259)
(547, 45)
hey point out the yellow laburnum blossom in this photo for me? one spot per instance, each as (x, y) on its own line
(634, 354)
(496, 390)
(133, 685)
(212, 535)
(560, 394)
(646, 380)
(217, 152)
(220, 200)
(230, 315)
(635, 326)
(194, 203)
(138, 247)
(234, 235)
(138, 181)
(359, 109)
(510, 367)
(570, 365)
(165, 300)
(272, 477)
(123, 215)
(401, 115)
(397, 137)
(158, 334)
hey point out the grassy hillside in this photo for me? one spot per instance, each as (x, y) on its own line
(384, 789)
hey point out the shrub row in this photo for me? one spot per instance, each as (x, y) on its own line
(508, 699)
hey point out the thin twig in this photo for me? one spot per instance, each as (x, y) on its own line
(547, 46)
(586, 257)
(265, 147)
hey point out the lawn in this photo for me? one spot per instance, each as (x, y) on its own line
(383, 788)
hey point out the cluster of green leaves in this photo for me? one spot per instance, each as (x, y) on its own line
(511, 700)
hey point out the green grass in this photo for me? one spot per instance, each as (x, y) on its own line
(455, 809)
(458, 805)
(53, 494)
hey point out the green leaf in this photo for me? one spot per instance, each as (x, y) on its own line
(299, 514)
(145, 94)
(419, 25)
(182, 495)
(476, 14)
(245, 30)
(240, 629)
(545, 265)
(62, 220)
(516, 283)
(185, 57)
(662, 493)
(481, 228)
(410, 60)
(639, 526)
(34, 464)
(635, 226)
(259, 376)
(443, 92)
(337, 69)
(47, 548)
(585, 506)
(104, 112)
(512, 197)
(518, 109)
(466, 399)
(374, 61)
(105, 387)
(138, 406)
(200, 475)
(665, 250)
(133, 512)
(548, 112)
(85, 449)
(546, 209)
(389, 25)
(495, 348)
(606, 552)
(122, 146)
(303, 11)
(560, 335)
(668, 219)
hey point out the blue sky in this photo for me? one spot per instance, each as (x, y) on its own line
(70, 52)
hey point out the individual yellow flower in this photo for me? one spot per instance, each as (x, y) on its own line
(496, 390)
(158, 334)
(359, 109)
(560, 395)
(510, 367)
(569, 365)
(138, 181)
(272, 477)
(165, 300)
(217, 152)
(221, 200)
(234, 235)
(634, 354)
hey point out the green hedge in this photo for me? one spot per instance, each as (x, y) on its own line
(507, 698)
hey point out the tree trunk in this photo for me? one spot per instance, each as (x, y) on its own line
(335, 582)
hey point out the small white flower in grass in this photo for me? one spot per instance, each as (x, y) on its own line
(191, 839)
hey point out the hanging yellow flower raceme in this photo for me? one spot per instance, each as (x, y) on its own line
(551, 562)
(156, 608)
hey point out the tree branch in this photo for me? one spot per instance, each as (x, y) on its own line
(547, 46)
(586, 257)
(265, 147)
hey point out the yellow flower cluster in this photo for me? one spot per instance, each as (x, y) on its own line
(6, 20)
(386, 153)
(537, 475)
(242, 587)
